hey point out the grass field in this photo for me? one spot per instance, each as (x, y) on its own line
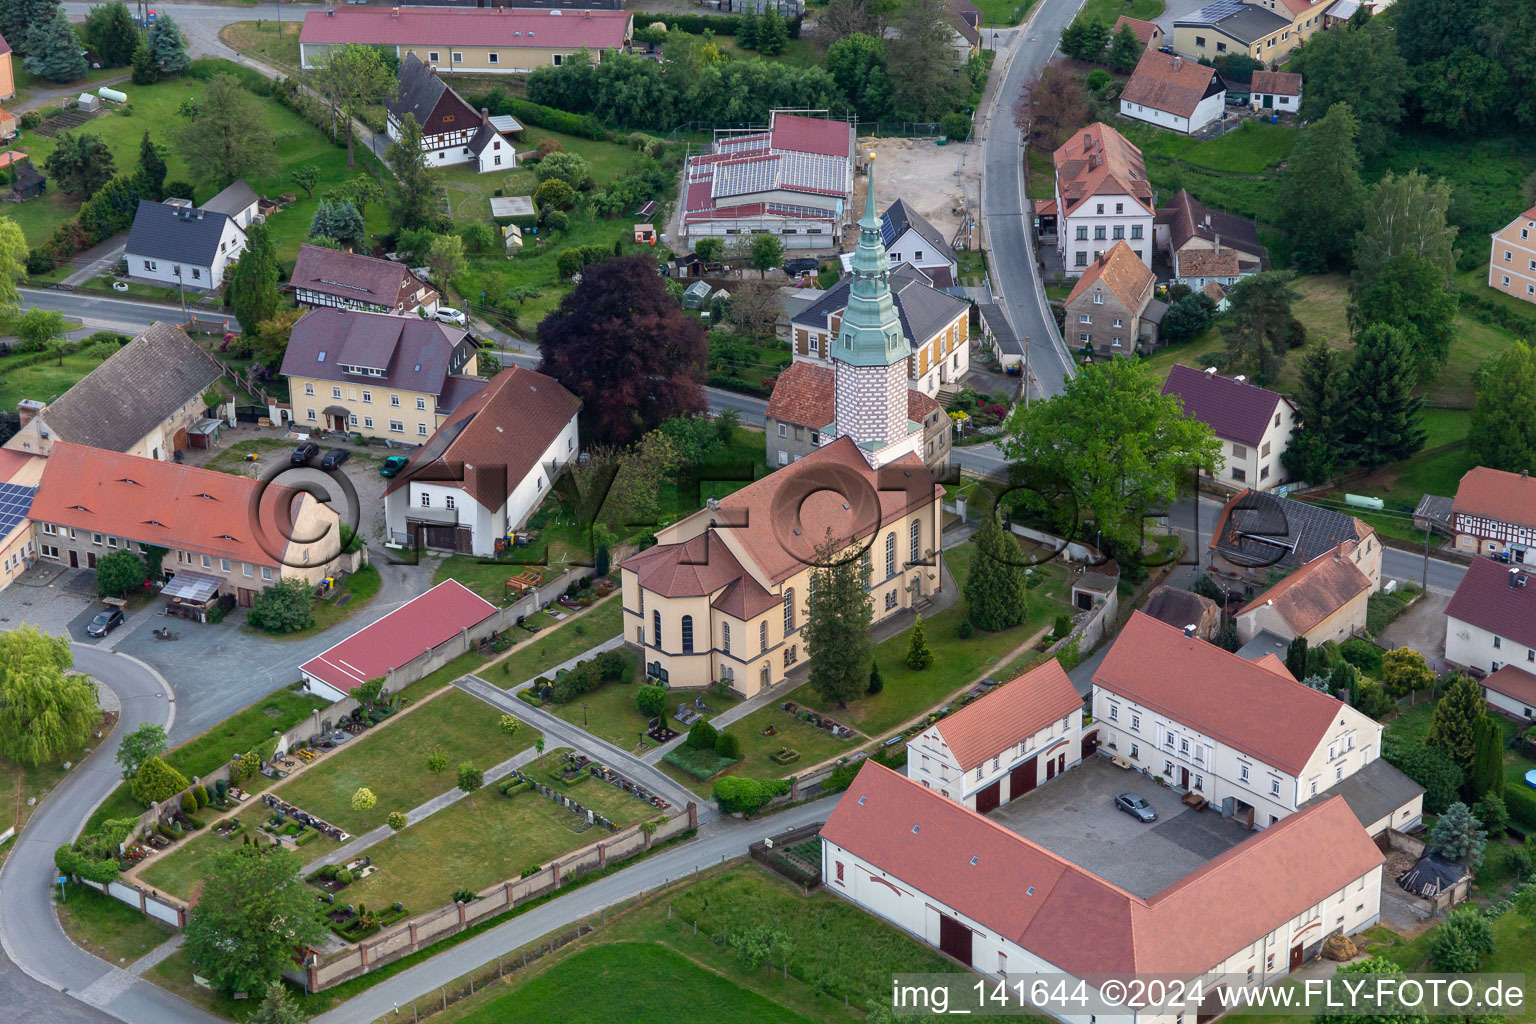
(18, 784)
(104, 927)
(1107, 11)
(44, 381)
(180, 872)
(390, 759)
(464, 664)
(275, 43)
(363, 585)
(550, 647)
(814, 746)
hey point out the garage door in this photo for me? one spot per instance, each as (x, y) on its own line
(955, 938)
(1023, 779)
(989, 798)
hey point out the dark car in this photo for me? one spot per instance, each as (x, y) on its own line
(801, 265)
(105, 622)
(393, 465)
(304, 452)
(1136, 806)
(335, 457)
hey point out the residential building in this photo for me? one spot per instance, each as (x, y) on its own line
(909, 239)
(1512, 262)
(487, 467)
(1511, 690)
(1003, 745)
(481, 41)
(1323, 600)
(7, 75)
(352, 280)
(935, 324)
(238, 202)
(801, 417)
(1181, 608)
(1253, 424)
(396, 377)
(225, 528)
(997, 333)
(10, 127)
(1207, 246)
(1279, 91)
(394, 641)
(452, 132)
(1258, 534)
(20, 473)
(141, 401)
(793, 179)
(1266, 30)
(1381, 797)
(1171, 92)
(1102, 196)
(1244, 735)
(1149, 32)
(1010, 909)
(1494, 514)
(1491, 620)
(1111, 309)
(178, 245)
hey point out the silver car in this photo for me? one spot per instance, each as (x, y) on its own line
(449, 315)
(1136, 806)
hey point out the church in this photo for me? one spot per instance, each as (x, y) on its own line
(723, 594)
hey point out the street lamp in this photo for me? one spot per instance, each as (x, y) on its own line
(583, 713)
(181, 287)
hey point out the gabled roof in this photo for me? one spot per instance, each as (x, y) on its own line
(1315, 591)
(1208, 263)
(142, 384)
(1256, 526)
(355, 277)
(1513, 682)
(803, 396)
(415, 354)
(418, 90)
(1186, 217)
(1234, 410)
(1277, 83)
(1178, 608)
(1009, 713)
(1495, 494)
(1144, 29)
(1240, 703)
(495, 438)
(1099, 161)
(1071, 918)
(1123, 273)
(177, 233)
(1171, 83)
(1373, 792)
(924, 309)
(499, 27)
(237, 197)
(395, 639)
(1484, 598)
(5, 47)
(899, 218)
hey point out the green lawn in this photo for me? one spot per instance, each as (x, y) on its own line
(463, 665)
(813, 745)
(1107, 11)
(107, 928)
(563, 542)
(244, 730)
(363, 586)
(180, 870)
(390, 759)
(174, 974)
(610, 713)
(18, 784)
(275, 43)
(45, 381)
(153, 109)
(613, 804)
(550, 647)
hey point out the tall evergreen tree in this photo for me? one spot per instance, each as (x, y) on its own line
(53, 50)
(253, 281)
(1503, 432)
(996, 588)
(1459, 836)
(145, 70)
(1296, 658)
(1381, 419)
(151, 172)
(166, 45)
(836, 631)
(1453, 728)
(1313, 453)
(1321, 196)
(1095, 40)
(111, 31)
(18, 16)
(1125, 50)
(1259, 328)
(919, 656)
(1485, 775)
(929, 83)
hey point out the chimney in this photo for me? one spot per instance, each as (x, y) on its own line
(28, 408)
(1087, 142)
(331, 13)
(1189, 631)
(1218, 244)
(1178, 62)
(394, 12)
(485, 114)
(1524, 473)
(1514, 577)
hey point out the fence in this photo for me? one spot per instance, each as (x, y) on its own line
(421, 932)
(153, 905)
(772, 854)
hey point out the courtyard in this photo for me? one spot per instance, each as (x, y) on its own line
(1074, 816)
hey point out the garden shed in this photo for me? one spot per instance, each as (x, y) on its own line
(696, 295)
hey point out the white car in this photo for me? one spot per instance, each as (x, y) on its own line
(449, 315)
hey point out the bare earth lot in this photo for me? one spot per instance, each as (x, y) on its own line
(933, 179)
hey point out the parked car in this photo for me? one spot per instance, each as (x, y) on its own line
(334, 458)
(801, 265)
(1136, 806)
(304, 452)
(449, 315)
(105, 622)
(393, 465)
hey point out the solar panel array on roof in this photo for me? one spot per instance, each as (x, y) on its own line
(15, 503)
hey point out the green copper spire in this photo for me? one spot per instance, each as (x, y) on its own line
(871, 330)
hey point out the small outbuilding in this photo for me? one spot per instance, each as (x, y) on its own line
(88, 102)
(1432, 875)
(696, 296)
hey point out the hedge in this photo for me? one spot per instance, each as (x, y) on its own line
(736, 794)
(584, 126)
(1522, 806)
(701, 764)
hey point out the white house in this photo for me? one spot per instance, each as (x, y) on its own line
(1491, 620)
(1512, 691)
(452, 132)
(1016, 737)
(1171, 92)
(177, 245)
(1010, 909)
(1279, 91)
(1244, 735)
(1254, 425)
(910, 239)
(1102, 195)
(238, 202)
(487, 466)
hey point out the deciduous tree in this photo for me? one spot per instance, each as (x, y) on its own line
(1371, 965)
(306, 176)
(1052, 106)
(225, 136)
(1404, 670)
(1462, 93)
(1187, 317)
(364, 801)
(351, 78)
(839, 610)
(1405, 213)
(1360, 67)
(1411, 294)
(1320, 195)
(253, 912)
(285, 607)
(412, 188)
(13, 264)
(995, 589)
(145, 742)
(767, 252)
(45, 710)
(1461, 941)
(470, 777)
(928, 84)
(118, 572)
(446, 258)
(1503, 430)
(1381, 417)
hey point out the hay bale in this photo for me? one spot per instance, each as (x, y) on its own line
(1340, 948)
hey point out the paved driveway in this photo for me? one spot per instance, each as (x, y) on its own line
(1421, 627)
(1074, 816)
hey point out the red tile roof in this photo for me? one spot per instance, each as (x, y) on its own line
(500, 26)
(1277, 83)
(1144, 29)
(1005, 716)
(1485, 599)
(163, 503)
(1238, 702)
(695, 568)
(1515, 682)
(798, 134)
(1099, 161)
(1495, 494)
(1123, 273)
(5, 47)
(1071, 918)
(803, 396)
(1169, 83)
(1234, 410)
(1315, 591)
(1272, 663)
(404, 634)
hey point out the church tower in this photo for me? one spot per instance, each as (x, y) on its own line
(870, 353)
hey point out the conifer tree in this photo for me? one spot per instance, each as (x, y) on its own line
(919, 656)
(996, 590)
(1381, 418)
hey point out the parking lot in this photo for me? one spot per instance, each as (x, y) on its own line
(1074, 816)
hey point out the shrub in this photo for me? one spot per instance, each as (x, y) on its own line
(956, 126)
(221, 790)
(470, 777)
(1062, 626)
(546, 147)
(554, 194)
(1494, 814)
(1522, 807)
(1362, 654)
(965, 630)
(157, 781)
(1461, 941)
(728, 745)
(463, 895)
(651, 700)
(343, 876)
(200, 795)
(735, 794)
(1439, 775)
(188, 804)
(702, 736)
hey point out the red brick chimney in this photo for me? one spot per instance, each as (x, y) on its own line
(28, 408)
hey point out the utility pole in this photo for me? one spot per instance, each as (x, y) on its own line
(1426, 555)
(1026, 373)
(182, 287)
